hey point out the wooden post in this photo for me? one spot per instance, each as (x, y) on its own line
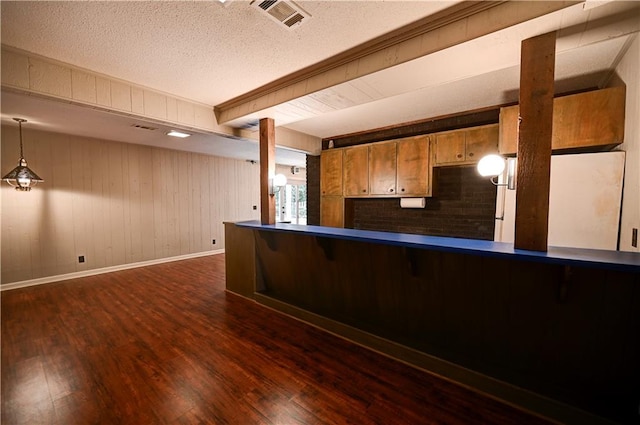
(537, 66)
(267, 170)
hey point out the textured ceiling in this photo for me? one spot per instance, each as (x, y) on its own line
(203, 50)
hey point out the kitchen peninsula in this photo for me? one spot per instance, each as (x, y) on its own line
(556, 332)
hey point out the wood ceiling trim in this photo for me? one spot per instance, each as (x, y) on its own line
(447, 122)
(320, 74)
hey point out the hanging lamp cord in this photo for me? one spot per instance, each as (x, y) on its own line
(20, 127)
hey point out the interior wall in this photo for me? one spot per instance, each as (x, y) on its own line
(300, 177)
(629, 71)
(115, 203)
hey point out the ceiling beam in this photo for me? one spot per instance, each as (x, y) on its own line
(460, 23)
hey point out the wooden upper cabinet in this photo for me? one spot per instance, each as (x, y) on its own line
(382, 168)
(450, 147)
(481, 141)
(585, 121)
(356, 171)
(331, 172)
(466, 146)
(414, 168)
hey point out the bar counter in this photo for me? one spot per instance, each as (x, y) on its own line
(557, 333)
(615, 260)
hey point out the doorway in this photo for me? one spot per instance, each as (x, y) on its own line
(291, 204)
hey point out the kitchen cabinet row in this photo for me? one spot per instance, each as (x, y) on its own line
(377, 169)
(591, 120)
(401, 167)
(396, 168)
(583, 122)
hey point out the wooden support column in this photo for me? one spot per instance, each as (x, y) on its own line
(537, 66)
(267, 170)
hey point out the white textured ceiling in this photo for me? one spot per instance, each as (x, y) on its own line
(200, 50)
(209, 52)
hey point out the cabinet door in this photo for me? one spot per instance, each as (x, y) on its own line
(481, 141)
(450, 147)
(509, 116)
(382, 168)
(332, 211)
(356, 171)
(413, 166)
(593, 118)
(587, 121)
(331, 172)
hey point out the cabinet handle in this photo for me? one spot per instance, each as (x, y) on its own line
(459, 155)
(470, 154)
(402, 190)
(390, 190)
(364, 190)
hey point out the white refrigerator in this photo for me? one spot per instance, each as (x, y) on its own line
(584, 202)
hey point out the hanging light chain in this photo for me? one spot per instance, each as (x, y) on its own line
(20, 121)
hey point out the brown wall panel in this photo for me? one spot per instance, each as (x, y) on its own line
(571, 334)
(313, 190)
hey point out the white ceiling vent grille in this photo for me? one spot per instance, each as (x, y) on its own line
(286, 13)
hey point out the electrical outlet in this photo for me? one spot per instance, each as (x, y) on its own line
(81, 259)
(255, 207)
(634, 238)
(213, 241)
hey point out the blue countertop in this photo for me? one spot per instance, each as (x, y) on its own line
(614, 260)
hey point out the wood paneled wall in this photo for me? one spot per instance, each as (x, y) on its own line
(570, 333)
(115, 203)
(313, 189)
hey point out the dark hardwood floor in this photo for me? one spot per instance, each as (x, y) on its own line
(167, 345)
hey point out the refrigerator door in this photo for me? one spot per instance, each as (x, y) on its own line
(584, 202)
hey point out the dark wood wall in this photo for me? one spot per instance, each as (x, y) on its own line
(313, 190)
(571, 334)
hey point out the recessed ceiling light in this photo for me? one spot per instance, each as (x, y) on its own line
(175, 133)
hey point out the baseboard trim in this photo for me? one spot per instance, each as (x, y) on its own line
(504, 392)
(93, 272)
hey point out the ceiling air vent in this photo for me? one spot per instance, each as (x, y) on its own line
(143, 127)
(287, 13)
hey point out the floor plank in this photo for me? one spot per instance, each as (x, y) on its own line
(166, 344)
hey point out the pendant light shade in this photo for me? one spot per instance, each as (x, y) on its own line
(22, 177)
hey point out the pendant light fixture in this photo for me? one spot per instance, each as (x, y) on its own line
(21, 177)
